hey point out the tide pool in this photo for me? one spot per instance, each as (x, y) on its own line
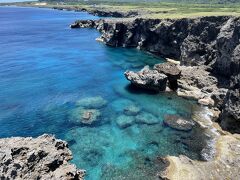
(57, 80)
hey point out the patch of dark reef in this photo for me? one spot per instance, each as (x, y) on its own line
(208, 49)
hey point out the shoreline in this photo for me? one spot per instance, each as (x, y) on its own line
(180, 165)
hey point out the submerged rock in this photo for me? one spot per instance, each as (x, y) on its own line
(85, 116)
(178, 123)
(43, 157)
(146, 118)
(124, 121)
(131, 110)
(120, 105)
(92, 102)
(148, 79)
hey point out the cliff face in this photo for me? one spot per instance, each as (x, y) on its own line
(37, 158)
(212, 42)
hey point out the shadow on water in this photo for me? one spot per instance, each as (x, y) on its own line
(136, 90)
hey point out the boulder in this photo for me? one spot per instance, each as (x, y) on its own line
(178, 123)
(171, 70)
(44, 157)
(124, 121)
(148, 79)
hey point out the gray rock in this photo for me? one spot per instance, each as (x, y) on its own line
(43, 157)
(171, 71)
(148, 79)
(178, 123)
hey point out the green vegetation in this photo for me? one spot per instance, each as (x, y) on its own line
(154, 9)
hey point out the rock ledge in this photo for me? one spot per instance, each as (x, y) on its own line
(44, 157)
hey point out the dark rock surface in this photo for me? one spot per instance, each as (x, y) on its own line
(209, 42)
(148, 79)
(83, 24)
(37, 158)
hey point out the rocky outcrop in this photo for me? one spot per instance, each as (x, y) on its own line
(171, 71)
(223, 166)
(83, 24)
(209, 45)
(44, 157)
(148, 79)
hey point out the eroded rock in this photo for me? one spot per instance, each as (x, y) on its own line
(171, 71)
(178, 123)
(44, 157)
(148, 79)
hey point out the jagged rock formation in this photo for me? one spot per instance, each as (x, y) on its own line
(171, 71)
(209, 44)
(148, 79)
(37, 158)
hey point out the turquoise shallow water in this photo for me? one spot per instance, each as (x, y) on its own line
(47, 71)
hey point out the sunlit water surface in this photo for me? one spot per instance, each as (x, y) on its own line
(46, 69)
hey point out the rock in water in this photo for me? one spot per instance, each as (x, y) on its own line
(177, 122)
(148, 79)
(124, 121)
(37, 158)
(131, 110)
(84, 116)
(92, 102)
(146, 118)
(83, 24)
(172, 72)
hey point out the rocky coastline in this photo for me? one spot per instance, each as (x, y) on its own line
(44, 157)
(207, 49)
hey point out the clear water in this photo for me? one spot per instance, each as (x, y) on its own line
(46, 67)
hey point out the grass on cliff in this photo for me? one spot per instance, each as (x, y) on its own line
(159, 10)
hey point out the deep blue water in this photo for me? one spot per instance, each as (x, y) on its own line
(46, 69)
